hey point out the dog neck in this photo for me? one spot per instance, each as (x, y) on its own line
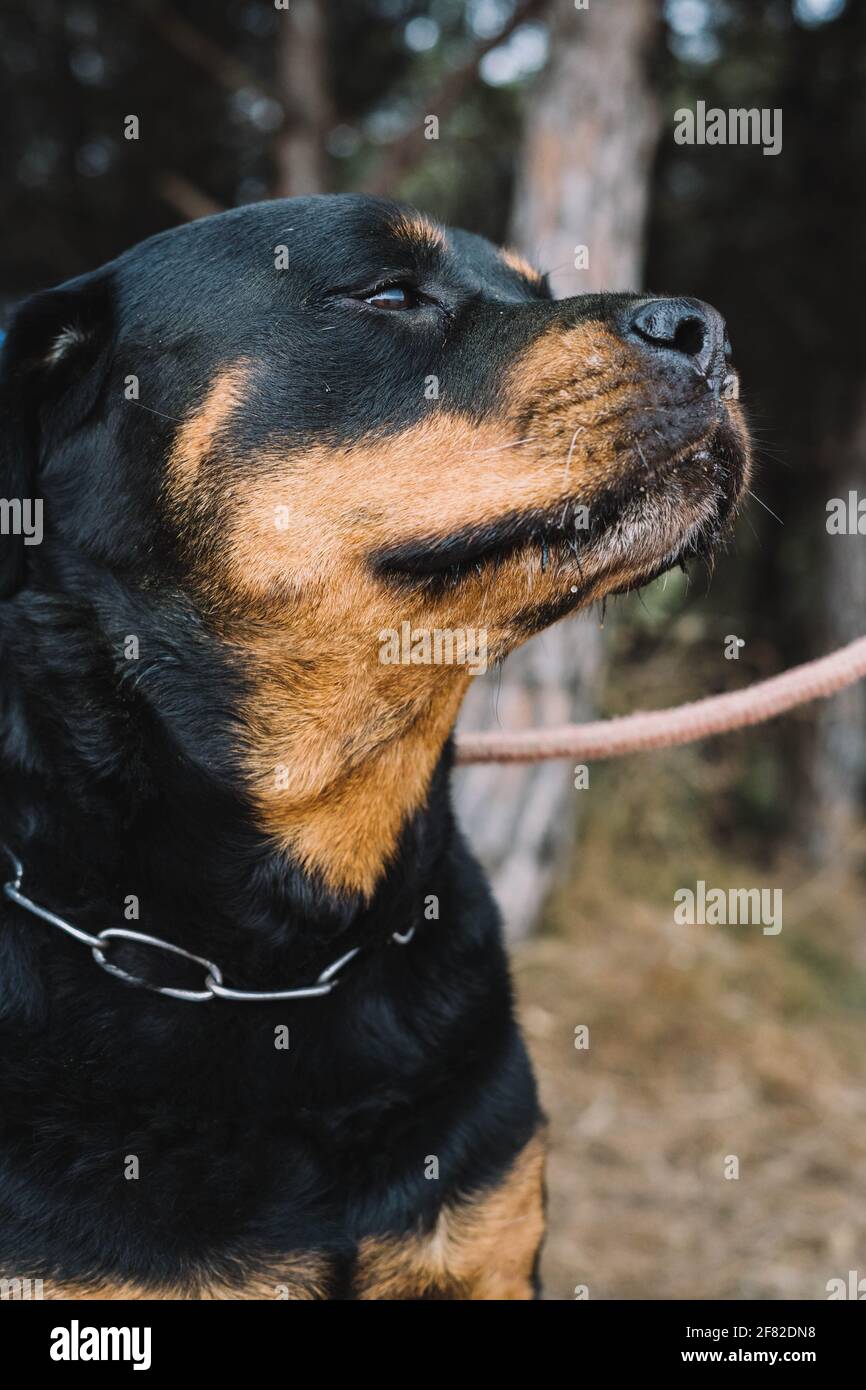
(126, 813)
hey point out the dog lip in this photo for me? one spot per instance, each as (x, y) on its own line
(450, 557)
(430, 557)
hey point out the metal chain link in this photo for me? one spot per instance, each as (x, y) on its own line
(214, 988)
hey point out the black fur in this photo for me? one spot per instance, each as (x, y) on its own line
(120, 778)
(119, 781)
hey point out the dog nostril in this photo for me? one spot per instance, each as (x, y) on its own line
(683, 326)
(689, 337)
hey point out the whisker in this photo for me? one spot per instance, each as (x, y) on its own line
(578, 431)
(512, 444)
(764, 505)
(160, 413)
(554, 269)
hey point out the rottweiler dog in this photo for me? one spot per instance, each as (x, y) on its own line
(254, 445)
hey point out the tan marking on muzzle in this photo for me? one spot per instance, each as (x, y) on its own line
(339, 749)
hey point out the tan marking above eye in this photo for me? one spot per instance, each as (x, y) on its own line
(419, 231)
(518, 263)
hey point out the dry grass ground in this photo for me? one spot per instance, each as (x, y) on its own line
(705, 1042)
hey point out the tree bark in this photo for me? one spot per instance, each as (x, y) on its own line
(590, 144)
(300, 154)
(834, 810)
(583, 180)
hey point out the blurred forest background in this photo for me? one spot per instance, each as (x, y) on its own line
(556, 129)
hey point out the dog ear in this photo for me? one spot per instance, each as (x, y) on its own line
(52, 367)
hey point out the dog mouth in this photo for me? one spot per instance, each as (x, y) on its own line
(660, 513)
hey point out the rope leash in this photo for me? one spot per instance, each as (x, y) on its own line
(665, 728)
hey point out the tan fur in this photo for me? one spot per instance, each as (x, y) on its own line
(199, 435)
(483, 1248)
(419, 231)
(339, 747)
(520, 264)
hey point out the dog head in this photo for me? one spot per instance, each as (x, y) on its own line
(320, 424)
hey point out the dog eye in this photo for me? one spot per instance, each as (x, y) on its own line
(396, 296)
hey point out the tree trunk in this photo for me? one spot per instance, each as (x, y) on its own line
(300, 155)
(583, 180)
(838, 772)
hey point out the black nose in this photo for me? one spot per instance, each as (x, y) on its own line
(687, 327)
